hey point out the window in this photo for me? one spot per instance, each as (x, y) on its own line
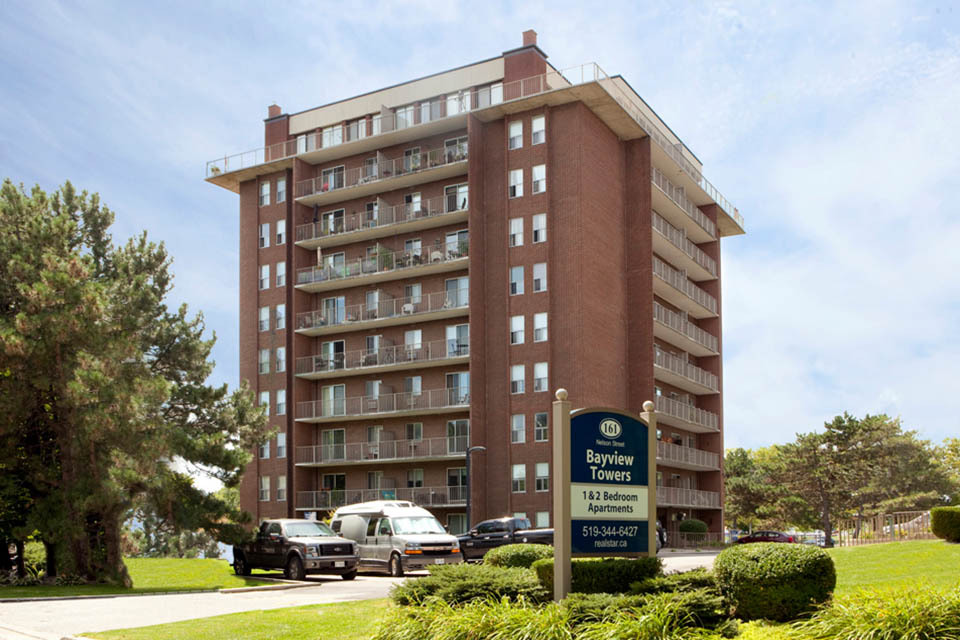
(540, 433)
(264, 488)
(415, 478)
(281, 274)
(458, 439)
(281, 231)
(413, 385)
(516, 330)
(517, 375)
(458, 340)
(542, 482)
(281, 407)
(264, 235)
(455, 149)
(457, 197)
(515, 139)
(457, 523)
(516, 281)
(456, 292)
(413, 339)
(281, 359)
(458, 103)
(516, 183)
(281, 190)
(540, 327)
(491, 94)
(540, 178)
(413, 294)
(264, 361)
(539, 228)
(264, 276)
(281, 313)
(516, 232)
(264, 323)
(264, 450)
(404, 116)
(413, 247)
(281, 488)
(333, 444)
(522, 515)
(414, 431)
(281, 445)
(376, 124)
(411, 159)
(543, 519)
(540, 376)
(538, 130)
(332, 178)
(518, 428)
(264, 193)
(332, 136)
(519, 476)
(540, 277)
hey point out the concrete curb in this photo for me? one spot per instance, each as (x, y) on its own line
(283, 584)
(27, 634)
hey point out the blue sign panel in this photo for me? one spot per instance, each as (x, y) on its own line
(609, 499)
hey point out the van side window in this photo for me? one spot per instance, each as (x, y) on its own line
(384, 527)
(335, 525)
(372, 527)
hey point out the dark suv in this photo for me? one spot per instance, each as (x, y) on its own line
(298, 547)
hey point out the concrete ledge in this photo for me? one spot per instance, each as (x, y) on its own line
(281, 585)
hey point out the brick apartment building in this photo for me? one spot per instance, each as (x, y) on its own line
(422, 265)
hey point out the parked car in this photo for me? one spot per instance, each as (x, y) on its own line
(396, 536)
(765, 536)
(299, 547)
(497, 532)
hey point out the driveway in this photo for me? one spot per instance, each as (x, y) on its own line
(684, 560)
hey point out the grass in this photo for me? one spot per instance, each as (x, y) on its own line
(150, 575)
(340, 621)
(896, 564)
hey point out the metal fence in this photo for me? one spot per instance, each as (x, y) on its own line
(888, 527)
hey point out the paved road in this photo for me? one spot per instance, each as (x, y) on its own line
(51, 619)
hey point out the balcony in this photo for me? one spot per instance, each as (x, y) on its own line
(679, 497)
(384, 175)
(678, 290)
(421, 496)
(673, 244)
(383, 452)
(386, 265)
(386, 312)
(673, 455)
(389, 405)
(671, 201)
(680, 373)
(386, 358)
(385, 221)
(679, 414)
(676, 329)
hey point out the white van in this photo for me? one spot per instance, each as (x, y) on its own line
(396, 536)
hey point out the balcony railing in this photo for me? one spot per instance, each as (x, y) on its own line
(384, 217)
(360, 406)
(683, 368)
(438, 350)
(679, 198)
(384, 450)
(677, 496)
(681, 283)
(680, 241)
(409, 307)
(693, 415)
(673, 453)
(383, 170)
(384, 262)
(421, 496)
(681, 325)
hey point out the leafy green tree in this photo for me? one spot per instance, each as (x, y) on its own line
(948, 458)
(106, 399)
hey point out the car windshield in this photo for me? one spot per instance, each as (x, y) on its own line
(423, 524)
(308, 528)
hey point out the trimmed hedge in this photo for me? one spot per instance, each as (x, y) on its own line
(677, 582)
(945, 523)
(608, 575)
(459, 583)
(692, 525)
(775, 581)
(517, 555)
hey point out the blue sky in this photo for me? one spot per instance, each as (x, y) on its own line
(833, 127)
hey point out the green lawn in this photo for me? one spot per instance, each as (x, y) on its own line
(896, 564)
(340, 621)
(151, 575)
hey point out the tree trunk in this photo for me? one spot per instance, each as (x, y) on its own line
(50, 570)
(5, 563)
(21, 568)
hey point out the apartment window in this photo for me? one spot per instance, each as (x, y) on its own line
(538, 130)
(540, 277)
(540, 433)
(264, 451)
(281, 231)
(540, 327)
(281, 488)
(264, 488)
(539, 228)
(281, 445)
(265, 401)
(413, 385)
(281, 405)
(515, 140)
(540, 178)
(264, 323)
(332, 178)
(264, 276)
(264, 235)
(521, 515)
(281, 359)
(281, 313)
(413, 294)
(458, 103)
(264, 193)
(413, 247)
(404, 116)
(516, 330)
(491, 94)
(264, 361)
(414, 431)
(516, 281)
(411, 159)
(540, 376)
(518, 428)
(543, 519)
(413, 339)
(415, 478)
(516, 183)
(542, 481)
(333, 136)
(516, 232)
(376, 124)
(281, 190)
(457, 197)
(517, 375)
(519, 477)
(281, 274)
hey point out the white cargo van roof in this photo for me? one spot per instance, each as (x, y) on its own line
(382, 507)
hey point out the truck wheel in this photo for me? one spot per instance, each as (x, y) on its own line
(396, 567)
(240, 566)
(294, 569)
(349, 575)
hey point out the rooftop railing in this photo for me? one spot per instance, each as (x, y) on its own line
(680, 282)
(683, 368)
(410, 306)
(420, 496)
(360, 406)
(679, 198)
(384, 450)
(687, 413)
(680, 324)
(385, 261)
(681, 497)
(669, 452)
(384, 356)
(680, 241)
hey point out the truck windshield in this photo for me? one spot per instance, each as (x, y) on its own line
(308, 528)
(423, 524)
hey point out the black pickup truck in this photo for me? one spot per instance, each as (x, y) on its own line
(498, 532)
(298, 547)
